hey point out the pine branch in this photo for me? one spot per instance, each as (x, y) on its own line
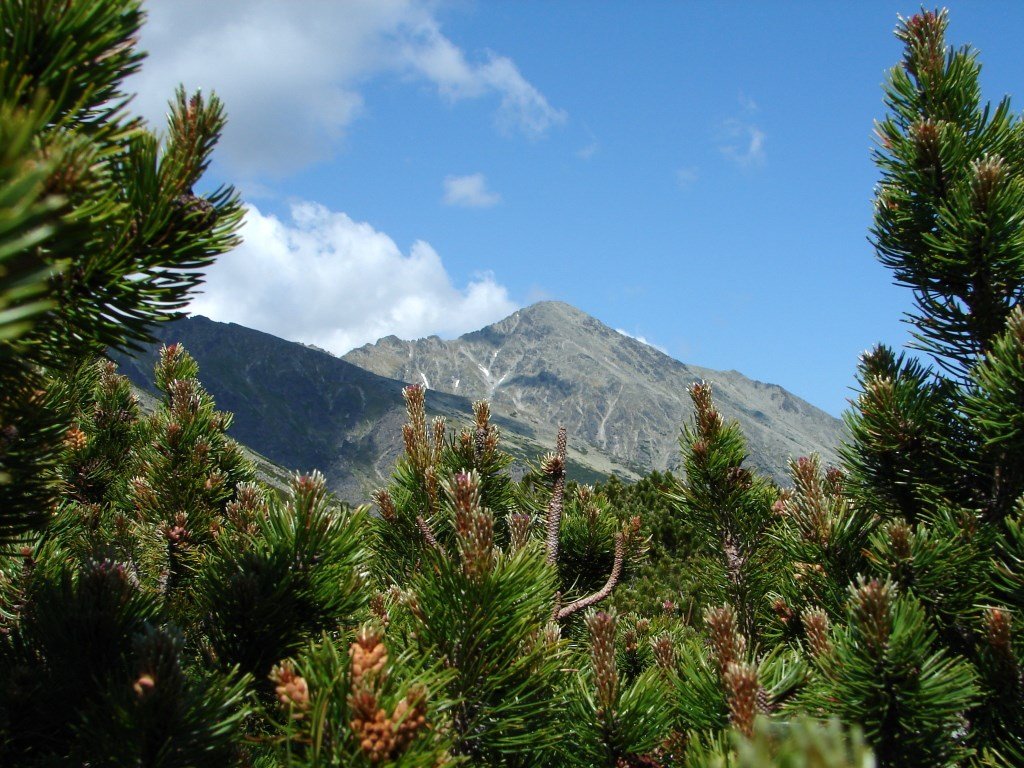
(601, 594)
(554, 465)
(428, 535)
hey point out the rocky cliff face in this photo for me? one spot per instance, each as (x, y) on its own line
(622, 401)
(551, 364)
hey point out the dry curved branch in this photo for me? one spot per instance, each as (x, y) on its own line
(603, 592)
(557, 606)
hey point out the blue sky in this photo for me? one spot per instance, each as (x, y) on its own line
(696, 174)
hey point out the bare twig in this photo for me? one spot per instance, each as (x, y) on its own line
(603, 592)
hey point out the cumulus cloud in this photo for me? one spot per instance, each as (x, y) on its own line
(321, 278)
(291, 73)
(469, 192)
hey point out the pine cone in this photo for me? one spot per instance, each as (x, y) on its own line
(368, 654)
(743, 691)
(291, 689)
(75, 440)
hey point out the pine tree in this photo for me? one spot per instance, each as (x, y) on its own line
(472, 569)
(886, 672)
(103, 233)
(893, 583)
(935, 450)
(291, 571)
(730, 509)
(947, 223)
(618, 721)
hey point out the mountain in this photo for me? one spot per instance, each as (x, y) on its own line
(622, 401)
(303, 408)
(551, 364)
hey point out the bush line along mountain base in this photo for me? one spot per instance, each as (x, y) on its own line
(159, 606)
(548, 364)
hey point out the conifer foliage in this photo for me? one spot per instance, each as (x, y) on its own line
(102, 231)
(160, 606)
(888, 581)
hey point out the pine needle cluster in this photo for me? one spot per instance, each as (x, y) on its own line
(160, 607)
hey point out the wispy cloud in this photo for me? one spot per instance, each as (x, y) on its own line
(642, 340)
(293, 75)
(588, 151)
(740, 139)
(686, 176)
(747, 104)
(428, 53)
(469, 192)
(302, 264)
(743, 143)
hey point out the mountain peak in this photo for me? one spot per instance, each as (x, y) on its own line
(551, 308)
(551, 363)
(551, 312)
(550, 319)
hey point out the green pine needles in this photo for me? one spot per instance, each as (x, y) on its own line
(160, 606)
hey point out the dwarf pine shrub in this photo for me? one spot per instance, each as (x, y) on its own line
(160, 607)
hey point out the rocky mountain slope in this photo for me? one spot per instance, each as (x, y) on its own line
(304, 409)
(549, 364)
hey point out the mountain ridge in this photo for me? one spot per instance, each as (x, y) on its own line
(593, 376)
(622, 401)
(305, 409)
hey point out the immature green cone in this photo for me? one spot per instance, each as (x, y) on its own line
(816, 627)
(998, 629)
(664, 652)
(924, 34)
(474, 527)
(871, 606)
(518, 531)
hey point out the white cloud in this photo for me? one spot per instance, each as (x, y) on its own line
(743, 143)
(321, 278)
(687, 176)
(428, 53)
(741, 140)
(747, 104)
(291, 73)
(469, 192)
(642, 340)
(587, 152)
